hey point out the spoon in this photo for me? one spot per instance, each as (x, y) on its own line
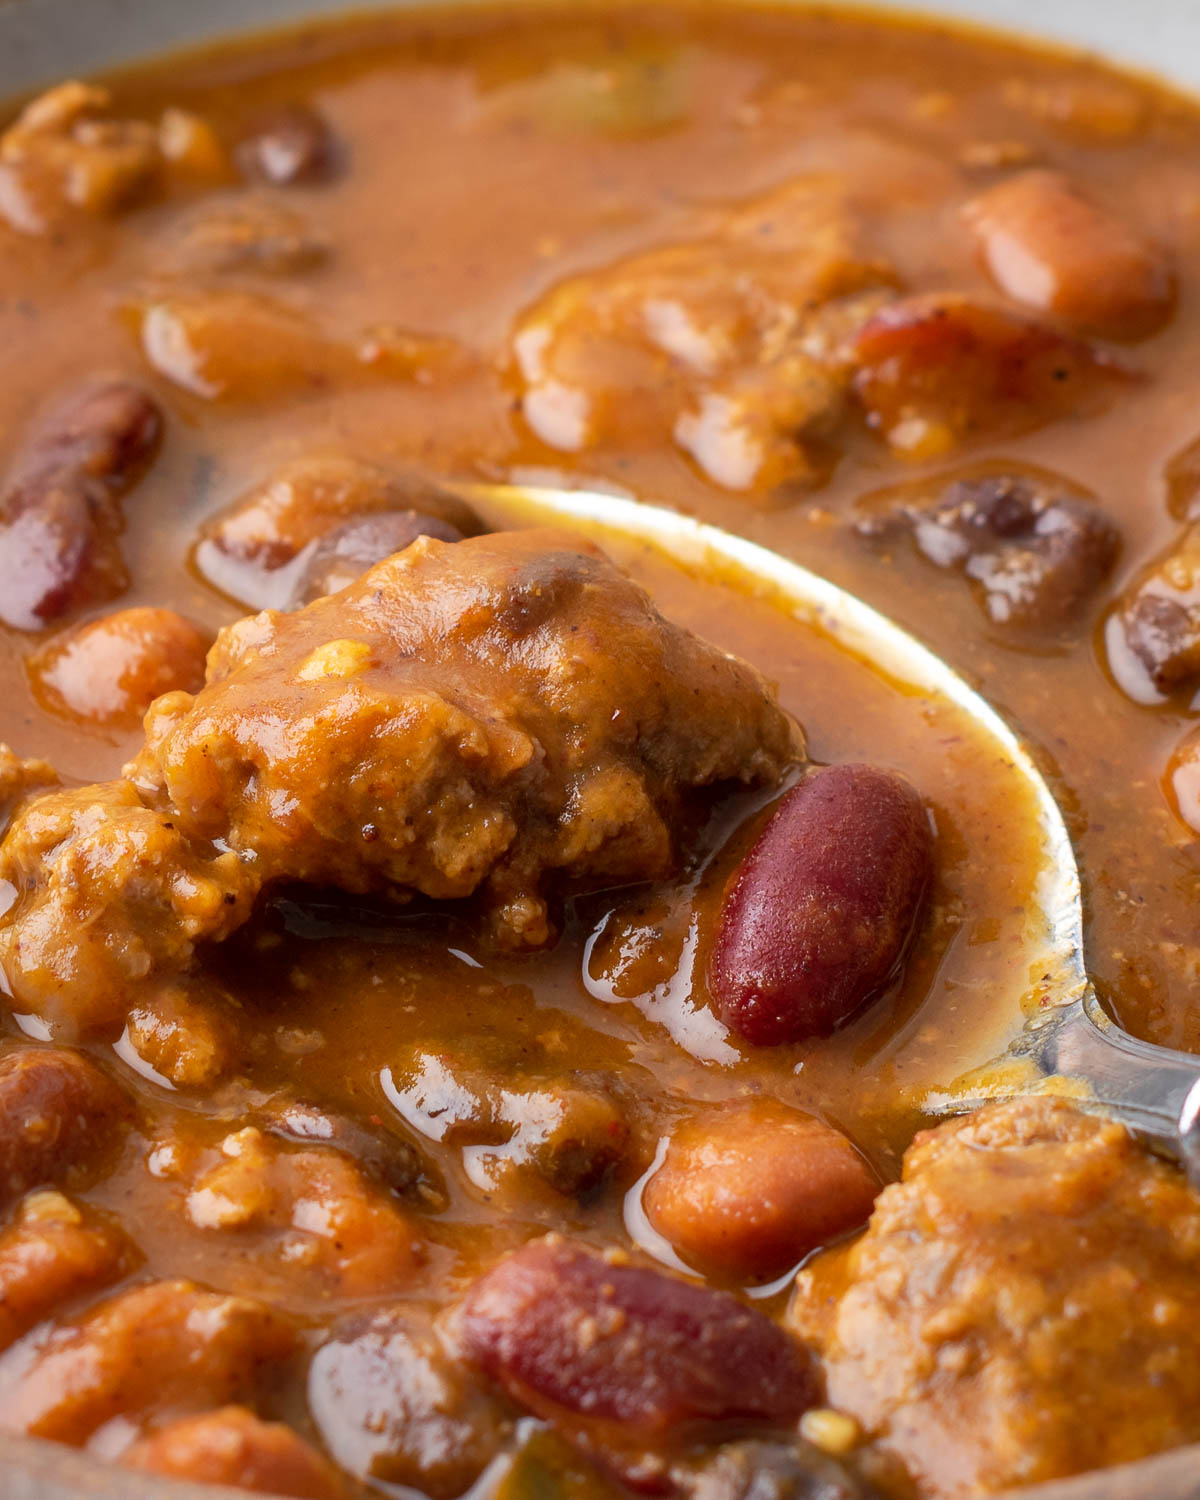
(1064, 1042)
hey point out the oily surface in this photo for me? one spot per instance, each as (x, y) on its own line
(393, 1139)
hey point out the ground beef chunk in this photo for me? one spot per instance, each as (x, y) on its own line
(726, 343)
(972, 1324)
(465, 716)
(1032, 546)
(62, 154)
(18, 778)
(382, 1153)
(475, 717)
(66, 159)
(112, 894)
(188, 1031)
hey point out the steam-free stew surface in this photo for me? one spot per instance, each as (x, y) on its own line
(915, 307)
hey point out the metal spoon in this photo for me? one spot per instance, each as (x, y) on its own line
(1067, 1044)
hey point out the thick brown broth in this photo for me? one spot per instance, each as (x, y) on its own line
(482, 159)
(766, 96)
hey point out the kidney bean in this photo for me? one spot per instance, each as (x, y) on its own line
(748, 1190)
(59, 519)
(234, 1447)
(341, 557)
(109, 671)
(292, 146)
(1033, 547)
(393, 1406)
(53, 558)
(1047, 245)
(60, 1119)
(937, 370)
(569, 1331)
(820, 912)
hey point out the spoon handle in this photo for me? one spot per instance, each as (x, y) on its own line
(1153, 1090)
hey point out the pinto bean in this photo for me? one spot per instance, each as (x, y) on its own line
(245, 235)
(166, 1346)
(314, 1212)
(392, 1405)
(570, 1332)
(61, 1119)
(341, 557)
(820, 912)
(59, 519)
(109, 671)
(1045, 244)
(748, 1190)
(240, 346)
(234, 1447)
(293, 146)
(938, 370)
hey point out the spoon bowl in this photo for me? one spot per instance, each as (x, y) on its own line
(1057, 1039)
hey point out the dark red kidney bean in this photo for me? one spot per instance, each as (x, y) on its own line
(60, 1119)
(102, 435)
(293, 145)
(567, 1330)
(344, 555)
(820, 912)
(49, 561)
(59, 520)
